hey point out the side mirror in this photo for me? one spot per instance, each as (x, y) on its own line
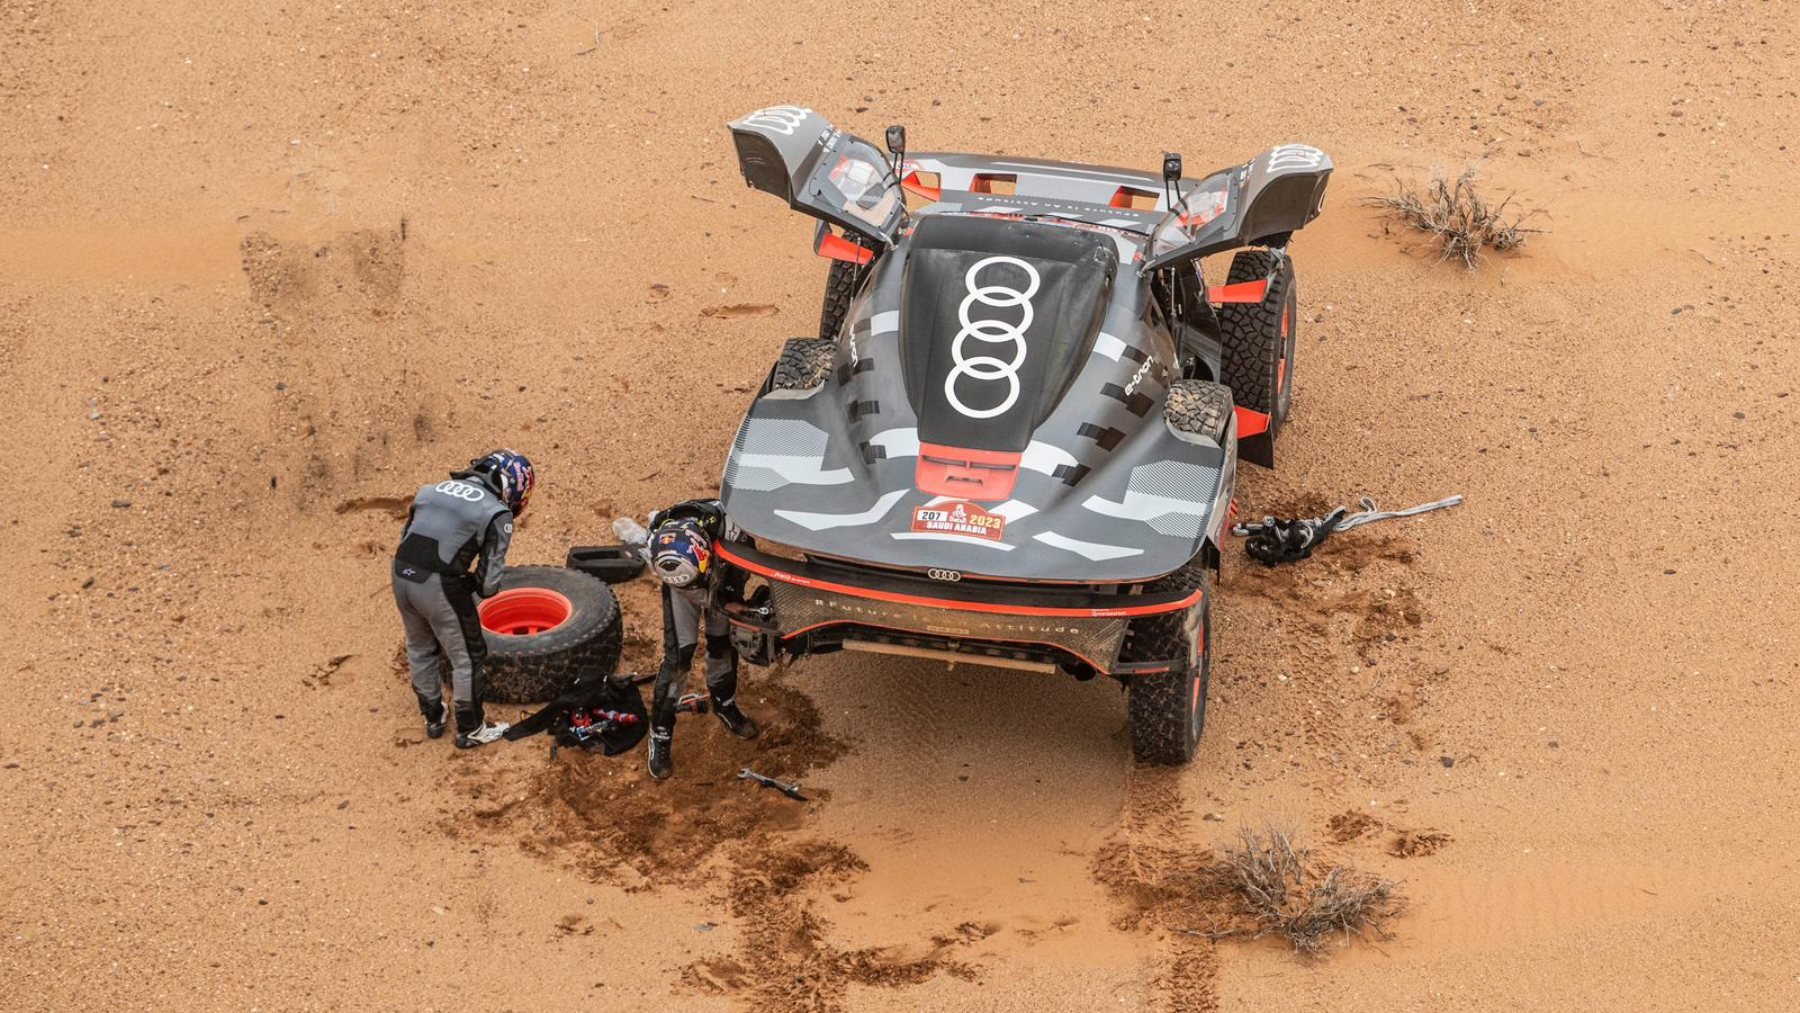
(896, 140)
(1171, 167)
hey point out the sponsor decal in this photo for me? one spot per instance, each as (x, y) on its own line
(460, 490)
(946, 575)
(959, 519)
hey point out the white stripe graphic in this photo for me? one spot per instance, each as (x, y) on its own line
(825, 522)
(897, 442)
(1092, 550)
(1109, 346)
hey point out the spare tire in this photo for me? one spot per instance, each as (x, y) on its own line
(545, 626)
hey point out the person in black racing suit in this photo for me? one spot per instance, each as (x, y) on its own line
(467, 519)
(693, 582)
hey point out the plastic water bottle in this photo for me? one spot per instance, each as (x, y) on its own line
(630, 532)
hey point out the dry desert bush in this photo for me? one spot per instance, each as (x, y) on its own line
(1458, 217)
(1279, 887)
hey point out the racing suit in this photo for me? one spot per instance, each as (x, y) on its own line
(685, 611)
(451, 523)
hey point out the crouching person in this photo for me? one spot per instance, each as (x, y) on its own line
(681, 553)
(453, 524)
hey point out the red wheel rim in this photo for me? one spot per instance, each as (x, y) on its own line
(524, 611)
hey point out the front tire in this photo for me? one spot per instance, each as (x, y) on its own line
(805, 363)
(1199, 408)
(1166, 711)
(840, 287)
(1259, 338)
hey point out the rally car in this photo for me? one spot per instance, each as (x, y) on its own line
(1015, 439)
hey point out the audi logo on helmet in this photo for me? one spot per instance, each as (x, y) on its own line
(991, 331)
(946, 575)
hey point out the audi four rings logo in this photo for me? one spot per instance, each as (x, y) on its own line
(1295, 156)
(993, 332)
(459, 490)
(781, 119)
(950, 575)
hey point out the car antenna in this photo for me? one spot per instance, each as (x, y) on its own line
(896, 145)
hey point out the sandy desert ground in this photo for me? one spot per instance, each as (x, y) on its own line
(264, 268)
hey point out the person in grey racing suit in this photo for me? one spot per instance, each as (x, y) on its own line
(467, 519)
(681, 554)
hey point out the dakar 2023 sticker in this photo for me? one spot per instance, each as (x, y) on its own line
(959, 519)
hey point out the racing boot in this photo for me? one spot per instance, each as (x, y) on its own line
(472, 728)
(662, 763)
(433, 711)
(736, 721)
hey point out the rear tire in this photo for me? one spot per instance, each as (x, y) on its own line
(1166, 712)
(540, 666)
(1259, 338)
(840, 287)
(804, 364)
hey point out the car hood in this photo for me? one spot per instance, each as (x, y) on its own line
(995, 409)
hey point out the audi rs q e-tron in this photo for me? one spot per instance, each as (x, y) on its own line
(1015, 439)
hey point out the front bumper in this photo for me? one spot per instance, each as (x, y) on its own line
(815, 607)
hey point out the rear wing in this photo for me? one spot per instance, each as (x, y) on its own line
(1261, 201)
(795, 154)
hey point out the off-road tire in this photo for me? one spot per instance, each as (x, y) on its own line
(840, 287)
(804, 364)
(1166, 712)
(541, 666)
(1259, 338)
(1199, 407)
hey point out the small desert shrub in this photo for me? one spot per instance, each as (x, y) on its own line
(1456, 214)
(1278, 886)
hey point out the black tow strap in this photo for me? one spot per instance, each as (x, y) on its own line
(1283, 541)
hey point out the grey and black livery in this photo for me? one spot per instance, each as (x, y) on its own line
(452, 525)
(987, 468)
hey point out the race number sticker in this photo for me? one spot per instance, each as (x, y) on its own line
(959, 519)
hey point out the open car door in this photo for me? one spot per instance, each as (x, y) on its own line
(795, 154)
(1266, 198)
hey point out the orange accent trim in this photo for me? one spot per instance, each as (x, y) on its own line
(1126, 197)
(954, 606)
(986, 182)
(1250, 421)
(1243, 291)
(913, 186)
(979, 476)
(837, 247)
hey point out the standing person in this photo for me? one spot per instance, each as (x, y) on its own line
(681, 553)
(467, 519)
